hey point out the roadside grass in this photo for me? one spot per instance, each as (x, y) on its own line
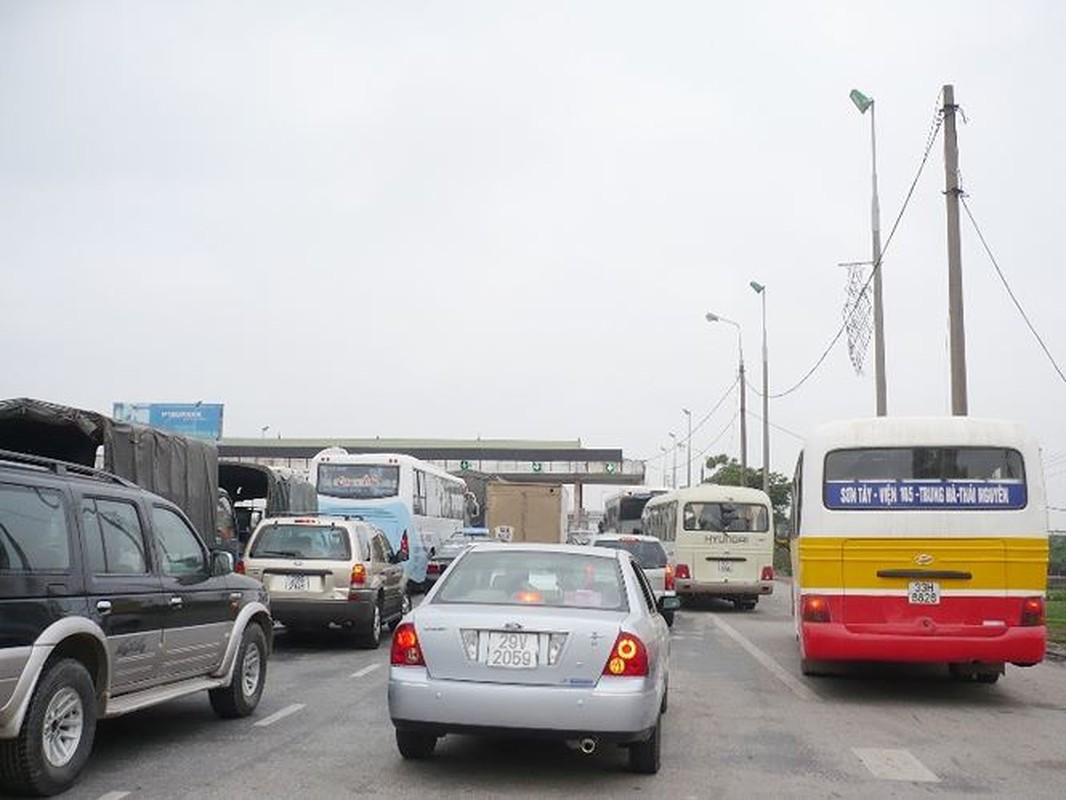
(1056, 615)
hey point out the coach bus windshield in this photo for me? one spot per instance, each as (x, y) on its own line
(358, 481)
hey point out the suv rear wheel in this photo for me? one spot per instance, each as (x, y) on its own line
(413, 744)
(372, 638)
(57, 734)
(240, 698)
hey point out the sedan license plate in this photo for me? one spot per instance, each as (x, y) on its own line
(512, 650)
(297, 583)
(923, 593)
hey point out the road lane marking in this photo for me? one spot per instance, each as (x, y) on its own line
(365, 670)
(113, 796)
(798, 687)
(279, 715)
(894, 765)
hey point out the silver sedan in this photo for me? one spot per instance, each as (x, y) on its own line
(558, 641)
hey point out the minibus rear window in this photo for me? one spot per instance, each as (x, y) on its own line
(925, 478)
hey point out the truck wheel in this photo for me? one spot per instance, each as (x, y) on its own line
(240, 698)
(57, 734)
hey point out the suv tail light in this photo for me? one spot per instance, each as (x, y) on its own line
(814, 608)
(668, 581)
(767, 574)
(358, 580)
(628, 657)
(682, 572)
(1033, 611)
(406, 651)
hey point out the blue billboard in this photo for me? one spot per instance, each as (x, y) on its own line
(197, 420)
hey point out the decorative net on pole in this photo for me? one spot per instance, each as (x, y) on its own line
(858, 313)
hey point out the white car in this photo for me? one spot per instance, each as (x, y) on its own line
(557, 641)
(652, 558)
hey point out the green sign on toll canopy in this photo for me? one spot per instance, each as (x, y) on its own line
(537, 466)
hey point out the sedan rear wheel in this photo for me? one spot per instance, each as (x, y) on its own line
(415, 745)
(644, 757)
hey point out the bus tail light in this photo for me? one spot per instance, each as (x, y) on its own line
(668, 579)
(405, 548)
(406, 651)
(815, 608)
(682, 572)
(1033, 611)
(767, 574)
(628, 657)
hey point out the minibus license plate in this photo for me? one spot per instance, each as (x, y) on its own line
(296, 583)
(924, 593)
(512, 650)
(725, 566)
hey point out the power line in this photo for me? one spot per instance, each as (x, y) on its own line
(934, 129)
(1017, 305)
(684, 439)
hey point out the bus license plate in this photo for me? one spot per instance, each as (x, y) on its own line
(296, 583)
(923, 593)
(512, 650)
(725, 566)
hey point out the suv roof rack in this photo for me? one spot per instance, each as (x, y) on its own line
(63, 467)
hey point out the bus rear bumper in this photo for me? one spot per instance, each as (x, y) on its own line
(827, 641)
(686, 587)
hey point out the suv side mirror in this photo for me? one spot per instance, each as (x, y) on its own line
(221, 562)
(669, 602)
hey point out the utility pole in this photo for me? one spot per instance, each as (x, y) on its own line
(955, 304)
(688, 448)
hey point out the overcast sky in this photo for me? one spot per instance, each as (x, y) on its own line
(452, 219)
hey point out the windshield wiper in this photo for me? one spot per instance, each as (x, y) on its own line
(286, 553)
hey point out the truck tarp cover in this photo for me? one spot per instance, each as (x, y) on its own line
(183, 470)
(284, 491)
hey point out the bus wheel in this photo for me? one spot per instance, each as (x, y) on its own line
(986, 677)
(745, 603)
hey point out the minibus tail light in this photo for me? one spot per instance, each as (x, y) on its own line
(668, 580)
(682, 572)
(767, 574)
(1033, 611)
(815, 608)
(406, 651)
(628, 658)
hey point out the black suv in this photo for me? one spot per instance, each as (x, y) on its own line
(109, 602)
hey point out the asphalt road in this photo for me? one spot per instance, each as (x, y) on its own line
(742, 723)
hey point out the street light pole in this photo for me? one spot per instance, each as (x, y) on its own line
(862, 102)
(761, 290)
(743, 395)
(663, 449)
(688, 448)
(673, 446)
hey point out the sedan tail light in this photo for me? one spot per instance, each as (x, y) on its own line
(1033, 612)
(668, 581)
(628, 657)
(239, 566)
(406, 651)
(682, 572)
(433, 568)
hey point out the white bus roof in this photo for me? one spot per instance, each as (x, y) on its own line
(338, 455)
(906, 431)
(713, 493)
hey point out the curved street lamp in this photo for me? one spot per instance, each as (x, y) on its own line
(710, 317)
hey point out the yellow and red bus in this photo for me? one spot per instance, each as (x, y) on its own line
(920, 540)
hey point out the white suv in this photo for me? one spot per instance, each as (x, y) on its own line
(322, 571)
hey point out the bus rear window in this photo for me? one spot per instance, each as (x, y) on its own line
(363, 481)
(925, 478)
(726, 517)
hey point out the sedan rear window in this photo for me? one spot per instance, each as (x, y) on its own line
(523, 577)
(308, 542)
(650, 555)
